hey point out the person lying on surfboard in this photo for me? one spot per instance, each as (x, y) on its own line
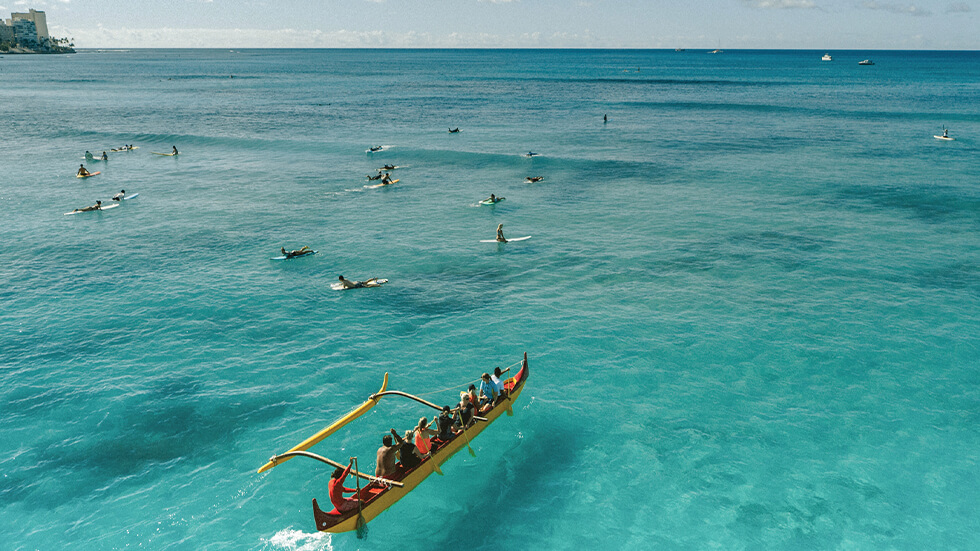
(500, 233)
(82, 171)
(492, 198)
(119, 196)
(388, 167)
(378, 177)
(348, 284)
(376, 148)
(532, 179)
(453, 131)
(96, 206)
(297, 252)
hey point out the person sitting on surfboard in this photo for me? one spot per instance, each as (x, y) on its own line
(96, 206)
(119, 196)
(500, 233)
(82, 171)
(175, 150)
(297, 252)
(945, 132)
(337, 490)
(104, 156)
(386, 179)
(348, 284)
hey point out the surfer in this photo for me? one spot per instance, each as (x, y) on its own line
(388, 167)
(337, 489)
(376, 148)
(530, 154)
(89, 156)
(348, 284)
(175, 152)
(453, 131)
(500, 234)
(945, 132)
(386, 179)
(82, 171)
(532, 179)
(378, 177)
(298, 252)
(96, 206)
(104, 156)
(605, 118)
(119, 196)
(492, 198)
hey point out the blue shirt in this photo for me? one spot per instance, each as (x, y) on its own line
(487, 389)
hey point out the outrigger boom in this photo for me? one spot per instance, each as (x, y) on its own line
(381, 493)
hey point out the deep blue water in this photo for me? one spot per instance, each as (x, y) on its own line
(751, 301)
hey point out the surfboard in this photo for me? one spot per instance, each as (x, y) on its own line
(526, 237)
(89, 175)
(382, 148)
(164, 154)
(338, 286)
(106, 207)
(93, 159)
(382, 169)
(489, 202)
(131, 196)
(947, 138)
(283, 257)
(375, 186)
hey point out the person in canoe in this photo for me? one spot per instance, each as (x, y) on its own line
(175, 152)
(422, 436)
(488, 392)
(464, 412)
(305, 250)
(337, 490)
(500, 234)
(348, 284)
(104, 156)
(498, 381)
(82, 171)
(408, 454)
(532, 179)
(445, 424)
(96, 206)
(119, 196)
(387, 455)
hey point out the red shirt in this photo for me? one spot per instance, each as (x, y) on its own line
(337, 489)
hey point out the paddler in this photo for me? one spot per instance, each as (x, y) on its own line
(387, 455)
(348, 284)
(96, 206)
(488, 392)
(82, 170)
(407, 452)
(445, 424)
(500, 233)
(422, 435)
(298, 252)
(337, 489)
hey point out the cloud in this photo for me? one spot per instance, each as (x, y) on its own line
(780, 4)
(959, 7)
(905, 9)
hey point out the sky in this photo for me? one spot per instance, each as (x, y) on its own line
(732, 24)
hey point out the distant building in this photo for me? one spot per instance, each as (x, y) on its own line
(6, 33)
(38, 18)
(25, 32)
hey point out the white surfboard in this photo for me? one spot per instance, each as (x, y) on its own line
(105, 207)
(338, 286)
(526, 237)
(489, 202)
(947, 138)
(133, 196)
(375, 186)
(284, 257)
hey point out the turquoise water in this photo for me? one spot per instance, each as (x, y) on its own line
(751, 302)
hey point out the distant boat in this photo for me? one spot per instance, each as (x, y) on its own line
(826, 57)
(716, 51)
(866, 62)
(678, 49)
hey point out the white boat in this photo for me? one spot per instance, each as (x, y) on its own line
(866, 62)
(826, 57)
(718, 51)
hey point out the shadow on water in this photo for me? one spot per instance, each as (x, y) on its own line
(930, 204)
(173, 420)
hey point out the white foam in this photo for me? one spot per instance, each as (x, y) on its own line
(298, 540)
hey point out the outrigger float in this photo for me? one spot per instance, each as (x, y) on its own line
(380, 493)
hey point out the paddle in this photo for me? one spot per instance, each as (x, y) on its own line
(465, 436)
(360, 524)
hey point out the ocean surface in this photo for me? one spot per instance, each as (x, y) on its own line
(751, 299)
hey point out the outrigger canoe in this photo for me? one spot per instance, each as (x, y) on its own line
(379, 494)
